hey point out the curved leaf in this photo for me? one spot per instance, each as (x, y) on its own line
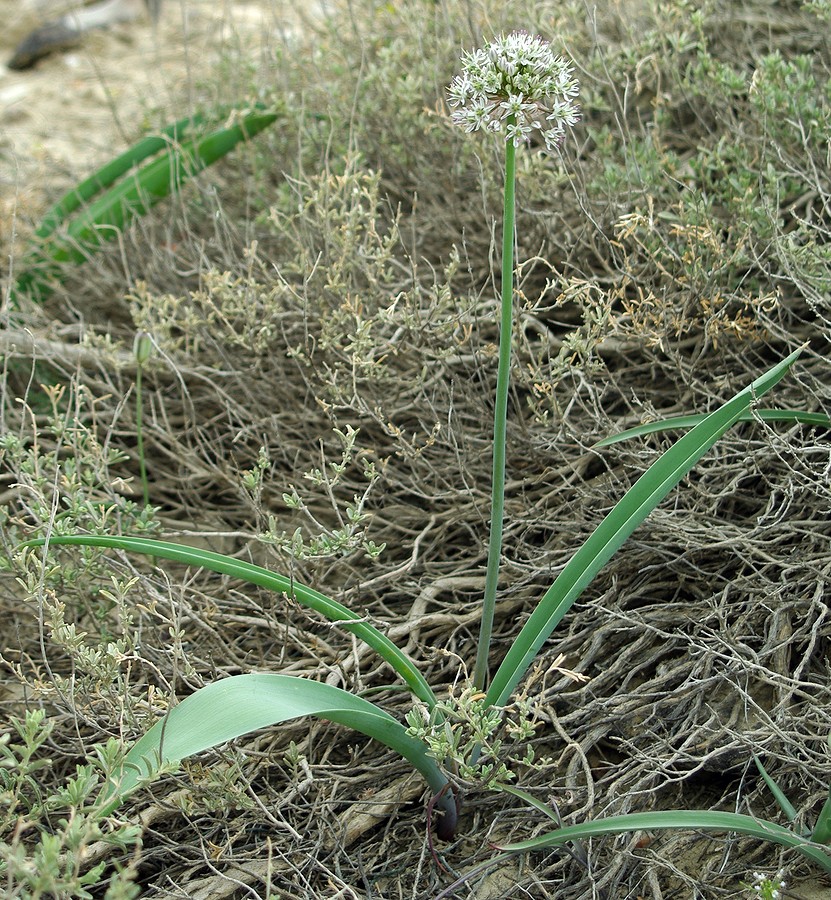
(105, 217)
(767, 415)
(630, 511)
(113, 170)
(784, 804)
(822, 829)
(236, 568)
(687, 819)
(232, 707)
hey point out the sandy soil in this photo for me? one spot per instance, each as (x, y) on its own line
(75, 110)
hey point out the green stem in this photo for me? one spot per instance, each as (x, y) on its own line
(140, 440)
(480, 672)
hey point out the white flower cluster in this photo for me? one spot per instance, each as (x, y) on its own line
(767, 888)
(515, 85)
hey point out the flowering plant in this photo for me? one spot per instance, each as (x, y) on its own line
(766, 887)
(515, 85)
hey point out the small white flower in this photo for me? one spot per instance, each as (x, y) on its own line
(517, 132)
(460, 91)
(513, 106)
(563, 113)
(514, 86)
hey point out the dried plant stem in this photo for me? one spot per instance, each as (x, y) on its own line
(480, 672)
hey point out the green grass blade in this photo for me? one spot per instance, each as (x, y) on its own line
(531, 800)
(236, 568)
(232, 707)
(767, 415)
(822, 830)
(784, 804)
(629, 512)
(112, 171)
(685, 819)
(106, 217)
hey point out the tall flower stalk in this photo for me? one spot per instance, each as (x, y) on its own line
(515, 86)
(142, 348)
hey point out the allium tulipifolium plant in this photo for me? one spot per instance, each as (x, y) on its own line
(515, 87)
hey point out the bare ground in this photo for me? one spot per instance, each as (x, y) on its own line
(76, 109)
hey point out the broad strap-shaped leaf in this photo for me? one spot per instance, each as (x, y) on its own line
(106, 216)
(97, 182)
(630, 511)
(236, 568)
(232, 707)
(822, 829)
(686, 819)
(788, 416)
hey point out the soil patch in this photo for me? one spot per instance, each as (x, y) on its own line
(75, 110)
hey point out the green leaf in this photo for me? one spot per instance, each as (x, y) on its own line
(822, 830)
(687, 819)
(767, 415)
(784, 804)
(113, 170)
(104, 218)
(232, 707)
(236, 568)
(531, 800)
(630, 511)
